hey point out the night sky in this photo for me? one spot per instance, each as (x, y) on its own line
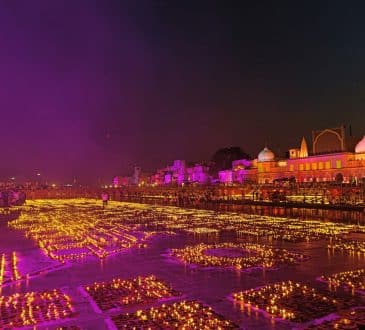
(91, 88)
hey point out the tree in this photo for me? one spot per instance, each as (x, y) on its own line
(224, 157)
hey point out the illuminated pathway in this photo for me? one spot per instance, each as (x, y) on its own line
(82, 246)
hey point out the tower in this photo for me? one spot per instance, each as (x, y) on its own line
(303, 149)
(136, 175)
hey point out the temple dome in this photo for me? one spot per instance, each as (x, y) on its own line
(360, 147)
(266, 155)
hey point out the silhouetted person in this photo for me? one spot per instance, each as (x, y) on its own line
(105, 198)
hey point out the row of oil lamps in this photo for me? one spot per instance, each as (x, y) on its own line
(257, 255)
(180, 315)
(14, 270)
(354, 279)
(32, 308)
(124, 292)
(61, 238)
(99, 234)
(288, 300)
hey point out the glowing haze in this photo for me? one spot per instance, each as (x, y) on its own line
(90, 88)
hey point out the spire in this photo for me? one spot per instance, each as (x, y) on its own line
(303, 149)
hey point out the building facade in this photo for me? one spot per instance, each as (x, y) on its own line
(334, 158)
(333, 155)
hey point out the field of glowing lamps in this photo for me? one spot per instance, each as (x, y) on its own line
(68, 231)
(32, 308)
(180, 315)
(353, 319)
(210, 223)
(295, 302)
(99, 233)
(352, 280)
(95, 233)
(129, 292)
(348, 246)
(242, 256)
(9, 271)
(15, 268)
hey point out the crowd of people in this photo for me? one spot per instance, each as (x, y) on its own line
(198, 195)
(181, 196)
(12, 198)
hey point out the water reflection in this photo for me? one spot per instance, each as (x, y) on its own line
(346, 216)
(354, 217)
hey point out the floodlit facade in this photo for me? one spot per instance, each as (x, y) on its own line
(179, 173)
(334, 157)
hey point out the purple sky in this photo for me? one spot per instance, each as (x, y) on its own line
(90, 88)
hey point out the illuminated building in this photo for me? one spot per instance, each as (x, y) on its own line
(179, 173)
(198, 173)
(121, 181)
(137, 178)
(225, 176)
(334, 157)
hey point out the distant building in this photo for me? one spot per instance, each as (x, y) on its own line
(179, 173)
(242, 171)
(199, 173)
(119, 181)
(136, 178)
(225, 176)
(334, 154)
